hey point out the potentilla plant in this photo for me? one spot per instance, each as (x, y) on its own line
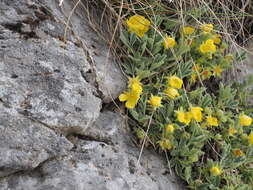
(201, 126)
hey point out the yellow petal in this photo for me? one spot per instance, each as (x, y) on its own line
(169, 42)
(130, 104)
(123, 97)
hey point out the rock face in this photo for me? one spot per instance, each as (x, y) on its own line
(242, 68)
(55, 74)
(109, 163)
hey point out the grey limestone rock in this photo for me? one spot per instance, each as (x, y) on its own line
(107, 164)
(24, 144)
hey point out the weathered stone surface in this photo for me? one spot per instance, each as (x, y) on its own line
(24, 144)
(107, 165)
(108, 76)
(44, 81)
(41, 85)
(242, 68)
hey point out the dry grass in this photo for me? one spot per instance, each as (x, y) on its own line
(234, 17)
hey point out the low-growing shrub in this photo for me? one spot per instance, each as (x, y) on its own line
(180, 105)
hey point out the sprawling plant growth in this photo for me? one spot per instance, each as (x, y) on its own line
(180, 106)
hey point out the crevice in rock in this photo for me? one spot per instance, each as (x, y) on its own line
(74, 138)
(90, 77)
(110, 106)
(5, 104)
(28, 115)
(37, 169)
(17, 28)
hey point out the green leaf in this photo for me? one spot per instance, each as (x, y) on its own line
(144, 73)
(182, 48)
(124, 37)
(159, 60)
(240, 56)
(205, 101)
(188, 173)
(226, 98)
(171, 23)
(185, 69)
(197, 93)
(132, 39)
(134, 113)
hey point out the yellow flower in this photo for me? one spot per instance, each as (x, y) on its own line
(196, 113)
(155, 101)
(212, 121)
(217, 71)
(238, 152)
(170, 129)
(188, 30)
(206, 74)
(175, 82)
(138, 25)
(245, 120)
(135, 85)
(216, 171)
(231, 131)
(171, 92)
(193, 78)
(250, 138)
(165, 144)
(206, 28)
(216, 38)
(207, 47)
(131, 98)
(169, 42)
(184, 117)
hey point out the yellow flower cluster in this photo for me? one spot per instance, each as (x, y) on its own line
(245, 120)
(197, 113)
(215, 171)
(250, 138)
(188, 30)
(155, 101)
(205, 73)
(212, 121)
(138, 24)
(208, 47)
(216, 39)
(171, 92)
(132, 96)
(186, 117)
(207, 28)
(170, 129)
(165, 144)
(237, 152)
(174, 83)
(217, 70)
(169, 42)
(232, 131)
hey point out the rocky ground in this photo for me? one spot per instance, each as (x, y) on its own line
(55, 130)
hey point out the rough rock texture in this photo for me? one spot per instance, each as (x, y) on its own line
(107, 164)
(243, 68)
(25, 143)
(52, 87)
